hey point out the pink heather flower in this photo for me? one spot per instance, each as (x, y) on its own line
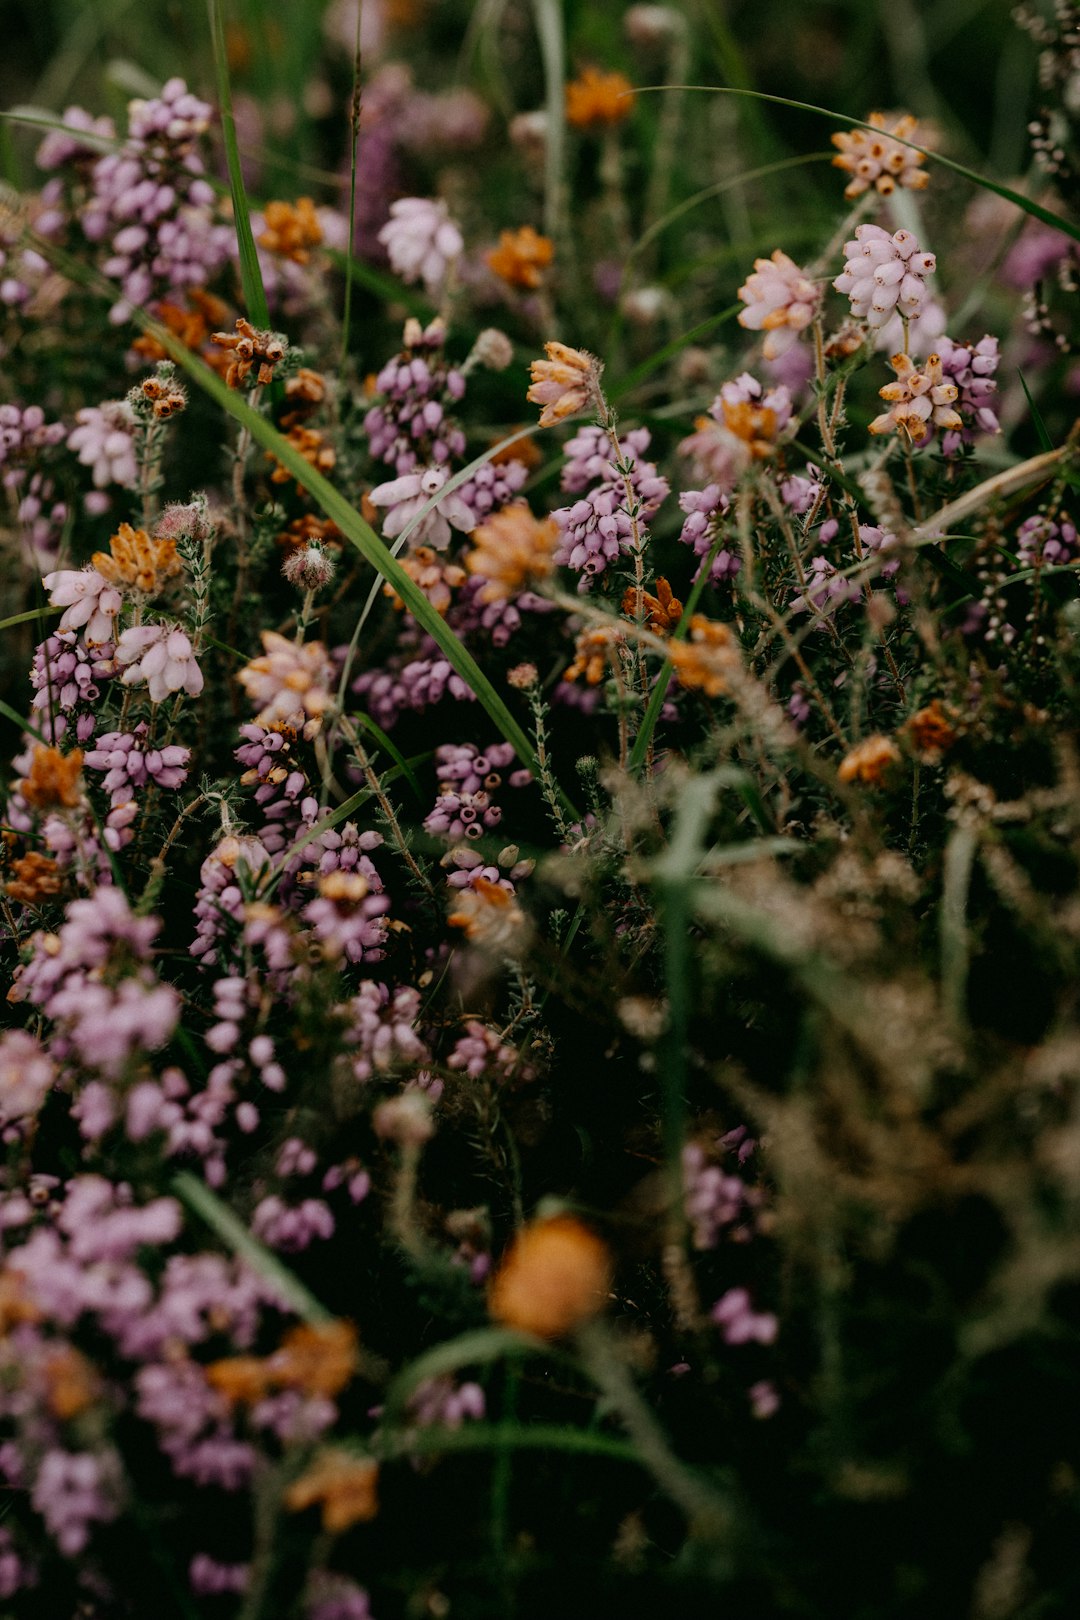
(290, 684)
(745, 424)
(104, 441)
(406, 498)
(924, 331)
(422, 241)
(780, 301)
(162, 656)
(26, 1073)
(884, 274)
(920, 400)
(88, 600)
(739, 1323)
(971, 367)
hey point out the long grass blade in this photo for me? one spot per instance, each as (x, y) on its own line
(250, 274)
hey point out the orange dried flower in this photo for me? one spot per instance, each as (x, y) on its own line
(54, 780)
(596, 100)
(343, 1484)
(292, 229)
(167, 398)
(593, 652)
(869, 761)
(756, 425)
(35, 878)
(931, 730)
(436, 576)
(138, 562)
(243, 1380)
(15, 1303)
(315, 448)
(555, 1276)
(662, 611)
(524, 450)
(521, 257)
(489, 916)
(512, 549)
(708, 660)
(71, 1384)
(318, 1358)
(192, 326)
(875, 158)
(250, 348)
(564, 383)
(310, 530)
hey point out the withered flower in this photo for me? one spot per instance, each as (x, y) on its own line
(931, 730)
(250, 348)
(315, 448)
(521, 257)
(136, 561)
(71, 1383)
(55, 779)
(869, 761)
(511, 550)
(555, 1276)
(662, 611)
(343, 1485)
(34, 878)
(292, 229)
(708, 660)
(596, 100)
(594, 650)
(564, 383)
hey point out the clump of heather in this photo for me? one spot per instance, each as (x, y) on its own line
(540, 857)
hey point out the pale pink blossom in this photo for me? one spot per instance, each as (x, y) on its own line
(406, 498)
(884, 275)
(422, 241)
(290, 684)
(104, 440)
(88, 601)
(26, 1073)
(780, 301)
(162, 656)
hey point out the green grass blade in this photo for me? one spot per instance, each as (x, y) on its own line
(1045, 441)
(549, 29)
(1027, 204)
(28, 616)
(391, 748)
(506, 1437)
(250, 273)
(354, 138)
(234, 1234)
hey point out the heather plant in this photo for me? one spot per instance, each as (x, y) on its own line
(540, 862)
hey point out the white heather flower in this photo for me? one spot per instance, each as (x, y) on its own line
(162, 656)
(421, 240)
(87, 599)
(780, 301)
(104, 440)
(884, 274)
(26, 1073)
(407, 496)
(289, 684)
(920, 400)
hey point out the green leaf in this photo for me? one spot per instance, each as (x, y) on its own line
(388, 747)
(28, 616)
(509, 1437)
(250, 273)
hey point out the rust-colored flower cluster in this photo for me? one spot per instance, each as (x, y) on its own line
(34, 878)
(250, 348)
(436, 576)
(596, 100)
(166, 398)
(315, 448)
(870, 761)
(662, 612)
(55, 779)
(564, 383)
(292, 229)
(707, 661)
(314, 1358)
(875, 158)
(137, 562)
(341, 1484)
(931, 731)
(521, 257)
(193, 327)
(512, 550)
(555, 1276)
(594, 650)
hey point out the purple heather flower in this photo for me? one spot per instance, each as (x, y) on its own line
(971, 367)
(26, 1075)
(161, 655)
(739, 1322)
(407, 497)
(705, 508)
(1041, 540)
(88, 601)
(598, 526)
